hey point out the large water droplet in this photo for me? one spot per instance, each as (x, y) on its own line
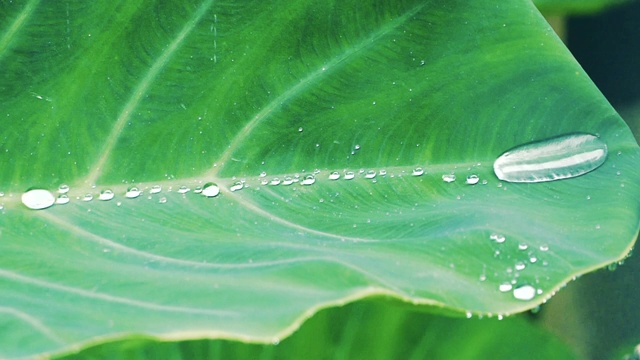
(334, 175)
(38, 199)
(524, 292)
(106, 195)
(210, 190)
(308, 180)
(561, 157)
(133, 192)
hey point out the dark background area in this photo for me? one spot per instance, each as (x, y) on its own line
(600, 313)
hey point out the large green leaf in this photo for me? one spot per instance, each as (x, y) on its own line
(106, 94)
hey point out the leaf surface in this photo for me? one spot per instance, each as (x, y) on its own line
(110, 95)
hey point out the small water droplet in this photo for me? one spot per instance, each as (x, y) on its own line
(238, 185)
(370, 174)
(468, 314)
(505, 286)
(87, 197)
(210, 190)
(523, 246)
(472, 179)
(497, 238)
(520, 266)
(349, 175)
(133, 192)
(300, 129)
(155, 189)
(162, 200)
(544, 247)
(274, 182)
(417, 171)
(183, 189)
(198, 190)
(263, 174)
(62, 199)
(448, 178)
(357, 147)
(288, 180)
(264, 182)
(382, 172)
(561, 157)
(524, 292)
(308, 180)
(533, 259)
(612, 267)
(334, 175)
(106, 195)
(63, 189)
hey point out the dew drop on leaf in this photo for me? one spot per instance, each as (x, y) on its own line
(505, 286)
(448, 178)
(561, 157)
(349, 175)
(334, 175)
(274, 182)
(417, 171)
(183, 189)
(497, 238)
(288, 180)
(63, 189)
(133, 192)
(163, 200)
(472, 179)
(106, 195)
(238, 185)
(87, 197)
(155, 189)
(210, 190)
(308, 180)
(37, 199)
(62, 199)
(370, 174)
(524, 292)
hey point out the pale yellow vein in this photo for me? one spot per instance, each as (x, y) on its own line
(140, 90)
(33, 322)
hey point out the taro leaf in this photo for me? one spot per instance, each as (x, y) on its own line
(107, 95)
(576, 6)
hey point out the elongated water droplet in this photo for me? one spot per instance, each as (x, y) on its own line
(472, 179)
(106, 195)
(524, 292)
(497, 238)
(544, 247)
(210, 190)
(238, 185)
(183, 189)
(448, 178)
(37, 199)
(274, 182)
(349, 175)
(155, 189)
(162, 200)
(370, 174)
(417, 171)
(308, 180)
(63, 189)
(288, 180)
(334, 175)
(505, 286)
(133, 192)
(561, 157)
(62, 199)
(520, 266)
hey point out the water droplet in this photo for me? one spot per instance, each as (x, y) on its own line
(263, 174)
(612, 267)
(38, 199)
(238, 185)
(288, 180)
(523, 246)
(334, 175)
(63, 189)
(264, 182)
(106, 195)
(370, 174)
(62, 199)
(417, 171)
(533, 259)
(308, 180)
(300, 129)
(87, 197)
(561, 157)
(349, 175)
(155, 189)
(382, 172)
(133, 192)
(520, 266)
(448, 178)
(357, 147)
(544, 247)
(472, 179)
(210, 190)
(524, 292)
(505, 286)
(497, 238)
(274, 182)
(468, 314)
(162, 200)
(183, 189)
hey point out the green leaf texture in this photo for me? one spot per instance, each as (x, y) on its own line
(245, 94)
